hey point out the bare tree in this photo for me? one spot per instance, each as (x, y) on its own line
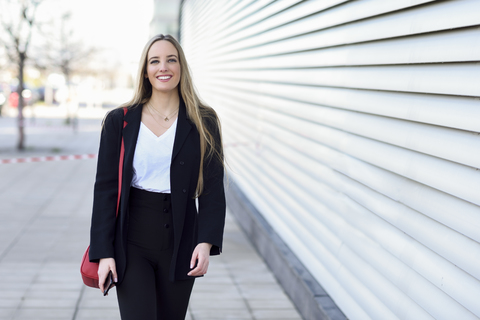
(18, 22)
(71, 55)
(62, 52)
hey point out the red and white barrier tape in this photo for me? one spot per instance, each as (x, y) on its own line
(48, 158)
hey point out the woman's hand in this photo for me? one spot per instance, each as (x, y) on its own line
(104, 267)
(202, 254)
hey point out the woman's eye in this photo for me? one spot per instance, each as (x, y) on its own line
(172, 60)
(153, 61)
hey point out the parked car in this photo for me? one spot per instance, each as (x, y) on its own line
(30, 96)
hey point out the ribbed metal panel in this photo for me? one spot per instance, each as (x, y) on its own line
(354, 128)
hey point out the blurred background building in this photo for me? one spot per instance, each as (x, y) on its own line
(165, 17)
(352, 137)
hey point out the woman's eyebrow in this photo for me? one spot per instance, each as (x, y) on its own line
(171, 55)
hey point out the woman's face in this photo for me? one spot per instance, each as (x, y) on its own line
(163, 66)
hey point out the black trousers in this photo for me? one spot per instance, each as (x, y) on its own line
(146, 292)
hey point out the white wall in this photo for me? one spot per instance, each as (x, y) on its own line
(354, 128)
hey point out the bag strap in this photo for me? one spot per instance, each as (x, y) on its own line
(120, 165)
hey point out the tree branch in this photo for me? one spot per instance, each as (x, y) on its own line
(31, 21)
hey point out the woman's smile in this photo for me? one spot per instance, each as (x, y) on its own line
(164, 78)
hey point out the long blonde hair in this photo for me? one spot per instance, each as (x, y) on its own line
(203, 116)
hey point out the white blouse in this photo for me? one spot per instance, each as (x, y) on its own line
(152, 159)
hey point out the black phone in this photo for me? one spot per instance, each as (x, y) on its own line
(109, 283)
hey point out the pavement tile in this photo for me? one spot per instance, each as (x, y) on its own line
(10, 303)
(202, 304)
(259, 287)
(15, 278)
(255, 278)
(37, 293)
(220, 314)
(49, 303)
(15, 286)
(43, 314)
(276, 314)
(265, 304)
(93, 299)
(7, 313)
(18, 269)
(214, 296)
(216, 288)
(57, 286)
(100, 314)
(267, 294)
(108, 303)
(215, 280)
(11, 294)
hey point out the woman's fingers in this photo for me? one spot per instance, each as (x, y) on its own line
(101, 280)
(104, 267)
(200, 270)
(114, 273)
(194, 258)
(200, 254)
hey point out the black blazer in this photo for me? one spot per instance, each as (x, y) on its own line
(108, 236)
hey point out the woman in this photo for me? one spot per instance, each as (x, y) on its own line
(159, 242)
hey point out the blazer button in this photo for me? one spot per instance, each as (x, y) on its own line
(167, 226)
(165, 210)
(184, 190)
(182, 163)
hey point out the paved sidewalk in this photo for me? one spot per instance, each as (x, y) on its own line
(45, 212)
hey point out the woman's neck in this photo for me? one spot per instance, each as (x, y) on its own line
(165, 103)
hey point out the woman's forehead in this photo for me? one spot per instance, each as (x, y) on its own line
(162, 47)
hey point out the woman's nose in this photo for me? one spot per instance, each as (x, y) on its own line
(163, 67)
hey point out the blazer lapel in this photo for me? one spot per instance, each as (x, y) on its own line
(183, 129)
(130, 136)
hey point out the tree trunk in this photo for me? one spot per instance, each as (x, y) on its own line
(68, 101)
(21, 120)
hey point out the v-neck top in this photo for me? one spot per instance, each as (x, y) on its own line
(152, 159)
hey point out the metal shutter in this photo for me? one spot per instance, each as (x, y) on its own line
(353, 126)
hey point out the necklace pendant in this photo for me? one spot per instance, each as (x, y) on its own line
(166, 119)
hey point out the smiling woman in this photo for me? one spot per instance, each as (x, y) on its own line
(173, 154)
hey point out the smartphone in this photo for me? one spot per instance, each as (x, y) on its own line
(109, 283)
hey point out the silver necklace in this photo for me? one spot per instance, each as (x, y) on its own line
(166, 118)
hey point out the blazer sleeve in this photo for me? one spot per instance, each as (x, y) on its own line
(102, 231)
(212, 204)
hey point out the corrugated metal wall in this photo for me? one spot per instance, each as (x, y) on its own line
(353, 126)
